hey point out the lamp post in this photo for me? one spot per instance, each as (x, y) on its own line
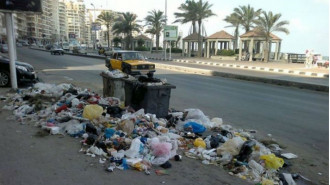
(94, 38)
(165, 42)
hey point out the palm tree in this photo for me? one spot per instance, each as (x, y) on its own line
(106, 18)
(188, 14)
(247, 16)
(156, 21)
(203, 11)
(126, 23)
(235, 22)
(268, 23)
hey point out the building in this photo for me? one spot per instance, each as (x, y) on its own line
(76, 13)
(41, 27)
(62, 21)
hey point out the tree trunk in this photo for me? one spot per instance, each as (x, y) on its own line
(108, 28)
(194, 31)
(199, 39)
(266, 51)
(157, 41)
(236, 38)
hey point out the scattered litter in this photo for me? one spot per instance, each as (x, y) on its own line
(123, 138)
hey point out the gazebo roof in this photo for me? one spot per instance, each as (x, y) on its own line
(221, 35)
(193, 36)
(256, 33)
(143, 37)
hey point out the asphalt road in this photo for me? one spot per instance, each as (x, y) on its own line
(298, 119)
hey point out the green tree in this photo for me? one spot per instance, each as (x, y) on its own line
(268, 23)
(106, 18)
(187, 14)
(203, 11)
(155, 22)
(235, 22)
(116, 41)
(140, 42)
(247, 16)
(126, 23)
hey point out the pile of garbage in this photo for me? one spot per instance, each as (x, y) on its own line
(123, 138)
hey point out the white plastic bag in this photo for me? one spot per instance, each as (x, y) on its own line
(232, 146)
(133, 151)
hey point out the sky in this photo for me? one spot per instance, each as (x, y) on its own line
(309, 19)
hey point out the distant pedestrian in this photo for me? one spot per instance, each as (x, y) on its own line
(309, 58)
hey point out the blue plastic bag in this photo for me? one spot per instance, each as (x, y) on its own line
(194, 127)
(109, 132)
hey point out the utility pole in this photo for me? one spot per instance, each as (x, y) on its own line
(165, 42)
(94, 39)
(11, 48)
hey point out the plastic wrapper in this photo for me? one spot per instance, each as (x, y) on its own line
(92, 112)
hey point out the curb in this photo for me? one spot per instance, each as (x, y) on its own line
(161, 59)
(243, 77)
(286, 71)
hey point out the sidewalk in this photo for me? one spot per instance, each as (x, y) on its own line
(275, 67)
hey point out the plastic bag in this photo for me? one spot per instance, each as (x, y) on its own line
(217, 122)
(196, 115)
(272, 162)
(256, 167)
(133, 151)
(232, 146)
(194, 127)
(126, 126)
(74, 128)
(199, 142)
(92, 111)
(162, 151)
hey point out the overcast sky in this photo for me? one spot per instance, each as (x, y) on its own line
(309, 19)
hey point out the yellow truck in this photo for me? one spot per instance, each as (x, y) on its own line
(130, 62)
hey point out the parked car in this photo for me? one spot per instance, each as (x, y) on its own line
(56, 50)
(18, 44)
(130, 62)
(4, 48)
(24, 71)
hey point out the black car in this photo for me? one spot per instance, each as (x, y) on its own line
(56, 50)
(24, 71)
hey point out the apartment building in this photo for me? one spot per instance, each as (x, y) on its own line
(75, 14)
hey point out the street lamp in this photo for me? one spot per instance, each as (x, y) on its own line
(93, 23)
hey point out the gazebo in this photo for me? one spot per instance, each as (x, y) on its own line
(147, 41)
(223, 38)
(255, 43)
(192, 41)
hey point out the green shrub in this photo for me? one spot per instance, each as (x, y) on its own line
(174, 50)
(141, 48)
(226, 52)
(159, 48)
